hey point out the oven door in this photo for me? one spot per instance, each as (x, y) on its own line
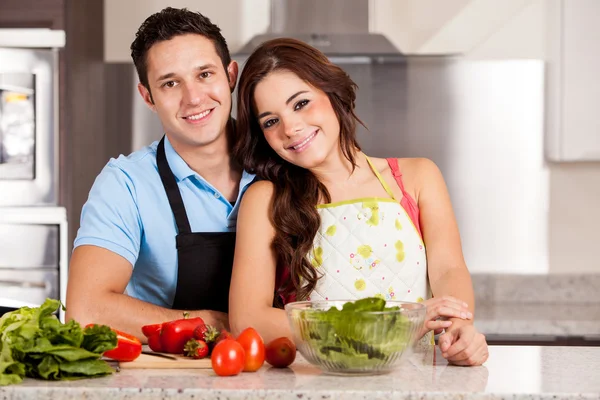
(28, 127)
(33, 256)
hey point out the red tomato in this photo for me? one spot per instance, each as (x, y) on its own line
(128, 347)
(227, 358)
(280, 352)
(175, 334)
(150, 330)
(254, 347)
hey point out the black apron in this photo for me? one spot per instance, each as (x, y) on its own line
(205, 259)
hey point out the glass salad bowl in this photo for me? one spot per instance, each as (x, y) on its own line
(367, 336)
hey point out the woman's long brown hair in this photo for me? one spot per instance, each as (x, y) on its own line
(293, 212)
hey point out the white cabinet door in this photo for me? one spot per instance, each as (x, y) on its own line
(573, 112)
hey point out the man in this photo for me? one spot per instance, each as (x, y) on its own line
(157, 233)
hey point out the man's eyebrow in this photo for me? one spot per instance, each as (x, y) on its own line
(198, 68)
(292, 97)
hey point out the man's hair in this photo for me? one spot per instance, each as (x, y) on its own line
(165, 25)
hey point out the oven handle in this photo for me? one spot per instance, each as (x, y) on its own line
(23, 284)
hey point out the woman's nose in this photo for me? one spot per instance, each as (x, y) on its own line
(293, 126)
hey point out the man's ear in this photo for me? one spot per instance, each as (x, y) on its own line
(147, 96)
(232, 74)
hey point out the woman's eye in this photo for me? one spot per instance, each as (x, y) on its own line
(300, 104)
(269, 123)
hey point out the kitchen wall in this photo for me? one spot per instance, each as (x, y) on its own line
(517, 29)
(480, 29)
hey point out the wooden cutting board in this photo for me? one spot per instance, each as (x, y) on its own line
(145, 361)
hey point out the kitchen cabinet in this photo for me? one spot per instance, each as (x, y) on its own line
(573, 91)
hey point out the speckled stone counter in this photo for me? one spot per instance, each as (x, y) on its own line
(518, 372)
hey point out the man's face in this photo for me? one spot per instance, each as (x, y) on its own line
(190, 90)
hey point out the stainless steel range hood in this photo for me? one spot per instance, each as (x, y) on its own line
(339, 28)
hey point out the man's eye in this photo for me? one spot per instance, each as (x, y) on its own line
(169, 84)
(300, 104)
(269, 123)
(205, 75)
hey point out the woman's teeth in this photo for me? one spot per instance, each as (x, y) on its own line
(299, 145)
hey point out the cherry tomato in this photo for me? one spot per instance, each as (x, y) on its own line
(254, 347)
(227, 358)
(280, 352)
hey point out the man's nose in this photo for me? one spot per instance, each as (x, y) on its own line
(192, 94)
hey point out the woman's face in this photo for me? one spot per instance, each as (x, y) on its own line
(297, 119)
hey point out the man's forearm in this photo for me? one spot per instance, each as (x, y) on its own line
(129, 314)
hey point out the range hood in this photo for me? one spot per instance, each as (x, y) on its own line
(339, 28)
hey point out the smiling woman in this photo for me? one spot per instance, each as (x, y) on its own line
(327, 222)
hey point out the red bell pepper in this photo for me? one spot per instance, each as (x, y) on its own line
(128, 347)
(150, 330)
(175, 334)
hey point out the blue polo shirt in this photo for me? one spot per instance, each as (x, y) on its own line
(128, 213)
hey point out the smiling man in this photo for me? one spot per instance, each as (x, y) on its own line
(157, 233)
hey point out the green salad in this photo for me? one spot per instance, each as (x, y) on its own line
(34, 343)
(354, 338)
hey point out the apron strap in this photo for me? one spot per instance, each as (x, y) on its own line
(380, 178)
(173, 194)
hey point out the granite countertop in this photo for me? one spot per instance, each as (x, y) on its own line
(515, 372)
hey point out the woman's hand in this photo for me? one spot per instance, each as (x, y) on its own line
(441, 308)
(464, 345)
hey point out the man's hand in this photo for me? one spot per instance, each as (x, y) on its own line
(464, 345)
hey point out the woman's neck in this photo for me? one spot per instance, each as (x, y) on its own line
(339, 171)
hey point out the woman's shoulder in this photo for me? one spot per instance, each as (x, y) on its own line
(259, 191)
(409, 167)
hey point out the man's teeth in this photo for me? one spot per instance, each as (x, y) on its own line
(296, 147)
(198, 116)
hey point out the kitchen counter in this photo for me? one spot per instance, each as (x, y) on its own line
(515, 372)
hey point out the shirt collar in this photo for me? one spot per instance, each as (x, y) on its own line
(182, 171)
(179, 167)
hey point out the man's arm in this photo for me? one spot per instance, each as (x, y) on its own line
(96, 294)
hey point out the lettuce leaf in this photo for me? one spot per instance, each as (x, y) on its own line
(353, 337)
(34, 343)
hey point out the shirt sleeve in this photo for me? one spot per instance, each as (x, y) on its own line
(110, 218)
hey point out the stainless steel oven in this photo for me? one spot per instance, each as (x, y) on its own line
(29, 116)
(33, 229)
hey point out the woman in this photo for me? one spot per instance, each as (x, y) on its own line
(328, 222)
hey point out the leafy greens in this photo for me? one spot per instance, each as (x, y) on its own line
(355, 337)
(34, 343)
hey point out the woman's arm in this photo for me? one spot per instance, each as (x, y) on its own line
(254, 267)
(448, 273)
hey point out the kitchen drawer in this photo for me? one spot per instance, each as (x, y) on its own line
(27, 287)
(29, 246)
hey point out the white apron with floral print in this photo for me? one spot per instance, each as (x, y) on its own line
(369, 247)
